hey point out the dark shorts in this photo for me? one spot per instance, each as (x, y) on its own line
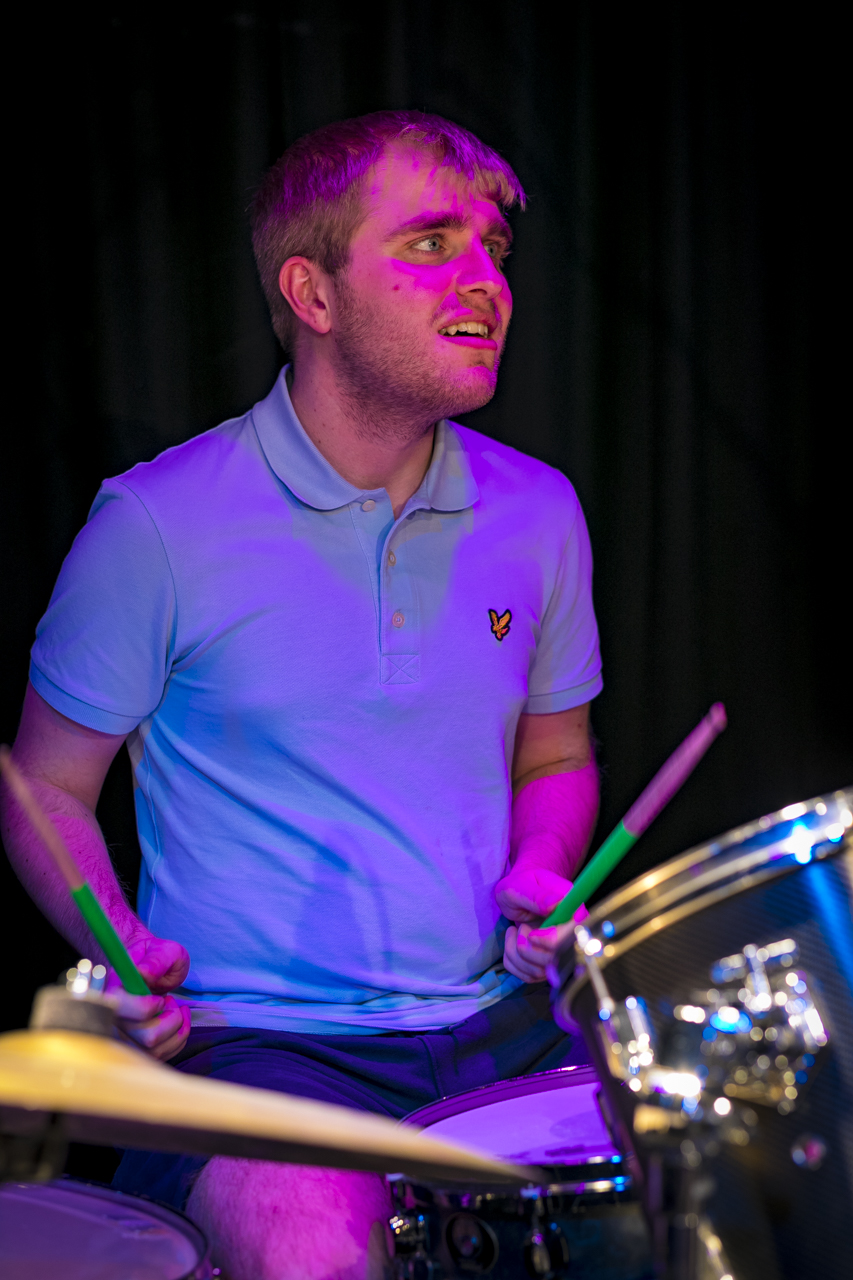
(390, 1074)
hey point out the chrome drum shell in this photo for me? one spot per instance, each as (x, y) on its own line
(776, 1191)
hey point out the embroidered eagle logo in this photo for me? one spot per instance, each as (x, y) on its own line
(500, 623)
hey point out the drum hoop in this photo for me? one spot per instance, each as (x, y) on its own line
(155, 1209)
(709, 852)
(657, 923)
(685, 879)
(500, 1091)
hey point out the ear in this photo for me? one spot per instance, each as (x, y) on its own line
(308, 290)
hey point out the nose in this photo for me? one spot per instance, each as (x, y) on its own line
(479, 273)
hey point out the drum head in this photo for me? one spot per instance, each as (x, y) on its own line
(80, 1232)
(547, 1119)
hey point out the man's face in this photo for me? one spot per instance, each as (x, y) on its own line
(421, 313)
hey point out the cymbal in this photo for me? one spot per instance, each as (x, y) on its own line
(109, 1093)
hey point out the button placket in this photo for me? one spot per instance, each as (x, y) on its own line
(368, 517)
(400, 630)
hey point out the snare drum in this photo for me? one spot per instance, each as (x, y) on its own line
(77, 1231)
(715, 995)
(583, 1220)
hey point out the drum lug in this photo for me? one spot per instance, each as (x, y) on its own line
(753, 1038)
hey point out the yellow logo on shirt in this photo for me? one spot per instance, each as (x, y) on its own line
(500, 625)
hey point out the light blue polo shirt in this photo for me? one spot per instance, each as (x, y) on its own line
(322, 702)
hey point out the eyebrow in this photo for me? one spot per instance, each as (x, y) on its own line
(429, 221)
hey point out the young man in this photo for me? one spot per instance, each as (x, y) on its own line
(335, 634)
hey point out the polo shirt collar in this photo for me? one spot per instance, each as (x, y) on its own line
(447, 486)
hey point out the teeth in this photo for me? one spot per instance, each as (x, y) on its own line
(466, 326)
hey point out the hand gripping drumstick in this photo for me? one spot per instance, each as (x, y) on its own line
(90, 909)
(663, 786)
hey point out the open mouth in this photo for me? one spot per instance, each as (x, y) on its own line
(469, 333)
(472, 327)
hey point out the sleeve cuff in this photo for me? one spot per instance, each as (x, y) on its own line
(542, 704)
(81, 712)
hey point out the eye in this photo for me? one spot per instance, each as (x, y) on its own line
(429, 244)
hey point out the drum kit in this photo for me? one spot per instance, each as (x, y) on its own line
(710, 1139)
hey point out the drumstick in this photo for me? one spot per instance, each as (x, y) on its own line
(90, 909)
(663, 786)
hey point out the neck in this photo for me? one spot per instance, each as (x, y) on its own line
(360, 440)
(367, 444)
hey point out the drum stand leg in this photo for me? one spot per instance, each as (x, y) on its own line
(35, 1155)
(675, 1194)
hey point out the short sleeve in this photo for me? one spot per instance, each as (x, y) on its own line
(566, 668)
(104, 647)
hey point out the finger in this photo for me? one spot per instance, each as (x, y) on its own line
(537, 945)
(163, 1052)
(554, 936)
(530, 954)
(168, 1048)
(511, 954)
(518, 964)
(156, 1029)
(519, 914)
(162, 962)
(514, 905)
(520, 969)
(136, 1008)
(526, 972)
(542, 944)
(166, 1036)
(534, 955)
(162, 979)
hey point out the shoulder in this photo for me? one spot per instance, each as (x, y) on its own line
(502, 472)
(192, 462)
(188, 478)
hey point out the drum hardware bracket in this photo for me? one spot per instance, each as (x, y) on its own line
(545, 1250)
(410, 1233)
(754, 1041)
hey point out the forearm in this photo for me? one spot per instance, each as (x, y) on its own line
(553, 819)
(37, 871)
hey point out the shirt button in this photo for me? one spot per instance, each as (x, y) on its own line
(369, 505)
(392, 559)
(398, 619)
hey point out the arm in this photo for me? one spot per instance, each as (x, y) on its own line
(65, 765)
(555, 783)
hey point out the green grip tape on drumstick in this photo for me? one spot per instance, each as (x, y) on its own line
(598, 869)
(663, 786)
(109, 941)
(88, 905)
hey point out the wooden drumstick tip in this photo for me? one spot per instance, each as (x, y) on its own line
(39, 820)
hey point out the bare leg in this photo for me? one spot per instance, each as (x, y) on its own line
(270, 1221)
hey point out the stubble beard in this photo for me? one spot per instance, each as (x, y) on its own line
(384, 374)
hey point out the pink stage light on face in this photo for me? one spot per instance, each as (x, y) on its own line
(311, 202)
(425, 262)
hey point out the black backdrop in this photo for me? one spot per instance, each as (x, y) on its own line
(673, 349)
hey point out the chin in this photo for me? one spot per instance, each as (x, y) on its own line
(472, 389)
